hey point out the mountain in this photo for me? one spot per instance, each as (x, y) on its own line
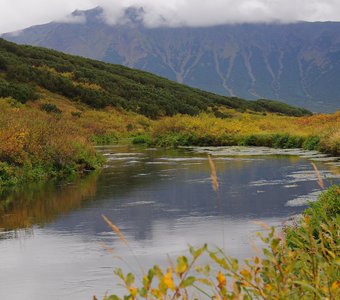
(24, 70)
(295, 63)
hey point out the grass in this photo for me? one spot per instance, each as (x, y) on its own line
(317, 132)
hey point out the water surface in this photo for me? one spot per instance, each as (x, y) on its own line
(54, 243)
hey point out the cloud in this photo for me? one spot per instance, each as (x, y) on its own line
(74, 19)
(17, 14)
(213, 12)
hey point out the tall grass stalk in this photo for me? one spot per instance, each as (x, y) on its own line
(115, 229)
(215, 186)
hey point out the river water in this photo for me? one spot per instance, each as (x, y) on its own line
(54, 243)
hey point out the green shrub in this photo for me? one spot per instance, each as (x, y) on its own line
(50, 108)
(142, 139)
(19, 91)
(8, 175)
(327, 206)
(311, 143)
(181, 139)
(76, 114)
(256, 140)
(105, 139)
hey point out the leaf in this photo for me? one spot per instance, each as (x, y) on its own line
(234, 264)
(143, 292)
(168, 280)
(182, 265)
(198, 252)
(188, 282)
(112, 297)
(205, 281)
(221, 261)
(130, 279)
(119, 273)
(335, 286)
(157, 271)
(246, 274)
(274, 244)
(221, 279)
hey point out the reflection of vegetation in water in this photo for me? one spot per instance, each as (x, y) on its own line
(38, 205)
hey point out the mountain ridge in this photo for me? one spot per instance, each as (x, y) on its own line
(99, 85)
(295, 63)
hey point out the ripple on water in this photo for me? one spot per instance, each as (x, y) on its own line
(304, 199)
(293, 178)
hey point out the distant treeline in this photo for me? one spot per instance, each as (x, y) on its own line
(98, 84)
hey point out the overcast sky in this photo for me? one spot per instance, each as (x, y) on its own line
(18, 14)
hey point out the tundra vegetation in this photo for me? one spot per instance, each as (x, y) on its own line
(56, 107)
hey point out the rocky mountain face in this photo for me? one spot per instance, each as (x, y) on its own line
(295, 63)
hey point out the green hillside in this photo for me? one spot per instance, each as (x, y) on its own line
(24, 69)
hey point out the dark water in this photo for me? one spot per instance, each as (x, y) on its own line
(53, 240)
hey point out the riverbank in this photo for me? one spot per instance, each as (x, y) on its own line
(301, 264)
(317, 132)
(55, 137)
(37, 146)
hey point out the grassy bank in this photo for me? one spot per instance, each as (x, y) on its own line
(35, 145)
(54, 137)
(303, 263)
(318, 132)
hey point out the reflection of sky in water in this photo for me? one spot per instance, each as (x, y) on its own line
(162, 200)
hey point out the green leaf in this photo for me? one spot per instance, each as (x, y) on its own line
(182, 265)
(143, 292)
(198, 252)
(188, 282)
(112, 297)
(119, 273)
(130, 279)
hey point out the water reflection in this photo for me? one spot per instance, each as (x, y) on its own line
(38, 205)
(162, 200)
(139, 186)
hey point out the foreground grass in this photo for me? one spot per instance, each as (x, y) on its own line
(303, 263)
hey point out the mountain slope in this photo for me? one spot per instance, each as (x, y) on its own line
(98, 84)
(296, 63)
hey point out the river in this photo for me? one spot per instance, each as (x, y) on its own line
(54, 243)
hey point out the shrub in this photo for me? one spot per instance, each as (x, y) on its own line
(50, 108)
(8, 175)
(311, 143)
(142, 139)
(19, 91)
(76, 114)
(105, 139)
